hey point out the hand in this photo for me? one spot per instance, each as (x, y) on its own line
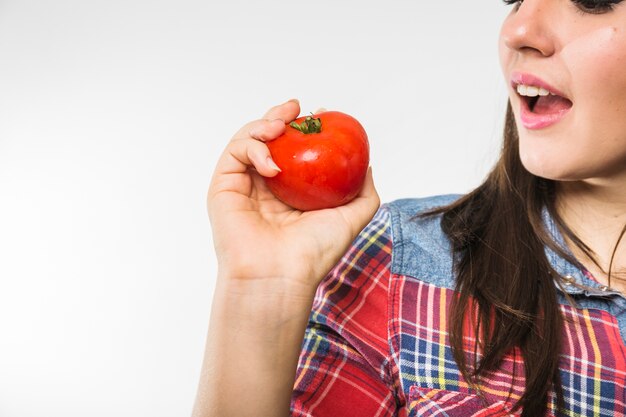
(256, 236)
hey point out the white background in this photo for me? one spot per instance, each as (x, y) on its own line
(112, 115)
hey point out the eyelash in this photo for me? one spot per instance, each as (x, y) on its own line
(584, 6)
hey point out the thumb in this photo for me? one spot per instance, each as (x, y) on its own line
(364, 206)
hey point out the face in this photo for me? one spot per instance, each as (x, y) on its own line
(570, 55)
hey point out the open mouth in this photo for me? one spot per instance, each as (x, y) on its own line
(531, 101)
(541, 101)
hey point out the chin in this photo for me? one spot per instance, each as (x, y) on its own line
(555, 172)
(548, 168)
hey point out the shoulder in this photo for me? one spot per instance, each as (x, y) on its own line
(394, 242)
(420, 247)
(407, 208)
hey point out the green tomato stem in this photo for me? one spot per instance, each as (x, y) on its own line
(308, 126)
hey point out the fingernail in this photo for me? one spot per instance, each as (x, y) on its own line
(272, 164)
(295, 100)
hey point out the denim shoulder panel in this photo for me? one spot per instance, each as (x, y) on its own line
(420, 248)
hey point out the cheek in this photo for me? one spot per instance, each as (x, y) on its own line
(596, 61)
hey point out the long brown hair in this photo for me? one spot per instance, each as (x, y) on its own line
(504, 279)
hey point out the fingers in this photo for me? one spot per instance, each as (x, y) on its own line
(243, 153)
(272, 124)
(265, 130)
(247, 149)
(268, 129)
(287, 111)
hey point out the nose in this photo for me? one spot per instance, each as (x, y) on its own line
(527, 29)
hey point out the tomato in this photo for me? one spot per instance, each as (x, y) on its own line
(323, 161)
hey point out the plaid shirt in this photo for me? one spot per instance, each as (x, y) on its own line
(377, 341)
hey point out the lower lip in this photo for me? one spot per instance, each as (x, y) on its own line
(534, 121)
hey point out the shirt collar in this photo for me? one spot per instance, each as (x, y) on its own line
(576, 281)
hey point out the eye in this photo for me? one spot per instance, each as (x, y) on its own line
(584, 6)
(517, 3)
(595, 6)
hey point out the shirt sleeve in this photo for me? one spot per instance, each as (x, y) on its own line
(343, 368)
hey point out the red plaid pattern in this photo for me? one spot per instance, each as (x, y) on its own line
(377, 345)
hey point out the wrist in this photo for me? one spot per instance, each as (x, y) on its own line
(287, 291)
(256, 329)
(263, 305)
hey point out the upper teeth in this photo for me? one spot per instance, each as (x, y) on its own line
(531, 91)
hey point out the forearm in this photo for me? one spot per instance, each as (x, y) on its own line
(254, 340)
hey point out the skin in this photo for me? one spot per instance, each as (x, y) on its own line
(583, 55)
(271, 258)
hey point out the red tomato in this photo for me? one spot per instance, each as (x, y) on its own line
(323, 158)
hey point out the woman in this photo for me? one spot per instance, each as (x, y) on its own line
(508, 300)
